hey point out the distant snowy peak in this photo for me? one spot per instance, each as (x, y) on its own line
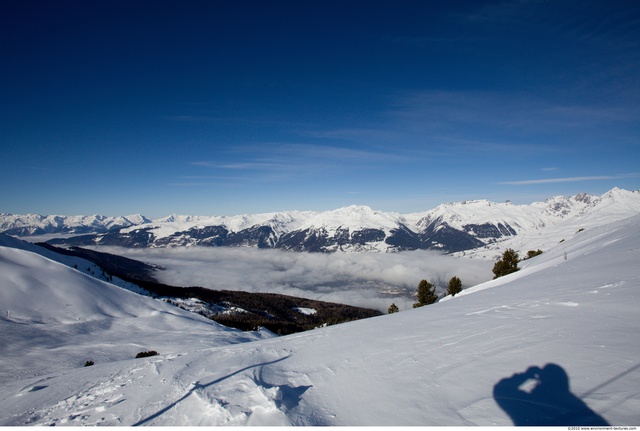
(535, 215)
(136, 219)
(175, 218)
(279, 222)
(620, 200)
(450, 227)
(353, 217)
(35, 224)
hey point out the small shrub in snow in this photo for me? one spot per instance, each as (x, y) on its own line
(147, 354)
(89, 363)
(533, 253)
(393, 308)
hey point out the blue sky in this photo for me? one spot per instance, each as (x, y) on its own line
(229, 107)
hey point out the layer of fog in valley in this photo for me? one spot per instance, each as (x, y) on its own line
(372, 280)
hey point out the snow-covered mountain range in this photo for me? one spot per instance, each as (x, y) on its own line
(556, 343)
(451, 227)
(35, 224)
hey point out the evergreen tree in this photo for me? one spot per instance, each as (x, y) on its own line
(454, 286)
(393, 308)
(506, 265)
(426, 294)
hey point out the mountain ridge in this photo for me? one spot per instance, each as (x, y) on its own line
(450, 227)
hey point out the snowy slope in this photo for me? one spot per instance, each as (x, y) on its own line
(574, 306)
(82, 265)
(54, 318)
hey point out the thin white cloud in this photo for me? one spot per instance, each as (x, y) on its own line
(497, 116)
(237, 166)
(192, 118)
(572, 179)
(452, 144)
(362, 135)
(312, 152)
(558, 180)
(200, 184)
(269, 161)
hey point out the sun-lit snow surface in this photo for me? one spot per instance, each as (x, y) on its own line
(54, 318)
(575, 306)
(80, 264)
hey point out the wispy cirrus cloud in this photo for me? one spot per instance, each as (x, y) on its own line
(466, 124)
(495, 111)
(312, 152)
(365, 135)
(291, 163)
(237, 166)
(470, 145)
(285, 157)
(571, 179)
(192, 184)
(558, 180)
(205, 180)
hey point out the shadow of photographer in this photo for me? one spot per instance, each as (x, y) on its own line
(541, 396)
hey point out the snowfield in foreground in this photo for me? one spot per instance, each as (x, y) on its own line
(575, 307)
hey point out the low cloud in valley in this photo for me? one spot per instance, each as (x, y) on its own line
(372, 280)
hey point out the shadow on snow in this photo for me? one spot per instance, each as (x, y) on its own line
(541, 397)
